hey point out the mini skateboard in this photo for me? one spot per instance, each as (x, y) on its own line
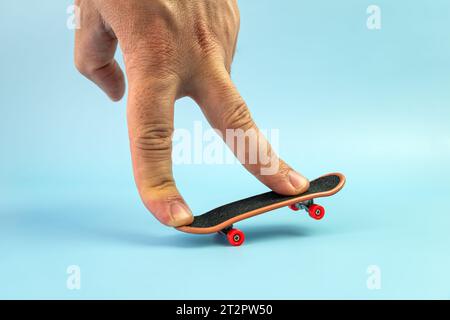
(221, 219)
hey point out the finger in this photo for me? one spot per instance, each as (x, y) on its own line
(227, 111)
(95, 46)
(150, 123)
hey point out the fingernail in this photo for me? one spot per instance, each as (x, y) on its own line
(297, 180)
(180, 214)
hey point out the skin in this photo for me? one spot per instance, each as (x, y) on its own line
(171, 49)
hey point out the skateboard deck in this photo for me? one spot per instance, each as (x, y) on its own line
(221, 219)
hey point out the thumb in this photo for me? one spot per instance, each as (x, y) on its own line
(95, 46)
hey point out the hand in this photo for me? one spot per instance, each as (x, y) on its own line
(171, 49)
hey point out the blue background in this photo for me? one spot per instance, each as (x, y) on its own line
(374, 105)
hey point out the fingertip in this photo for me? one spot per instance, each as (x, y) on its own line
(116, 96)
(180, 215)
(114, 86)
(298, 182)
(170, 211)
(288, 184)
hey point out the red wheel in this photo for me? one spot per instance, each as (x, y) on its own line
(316, 212)
(294, 207)
(235, 237)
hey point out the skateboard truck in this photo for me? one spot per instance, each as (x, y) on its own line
(234, 236)
(315, 211)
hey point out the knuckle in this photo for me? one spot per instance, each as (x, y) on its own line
(162, 49)
(238, 117)
(154, 139)
(92, 69)
(204, 39)
(156, 187)
(157, 57)
(154, 49)
(82, 66)
(161, 183)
